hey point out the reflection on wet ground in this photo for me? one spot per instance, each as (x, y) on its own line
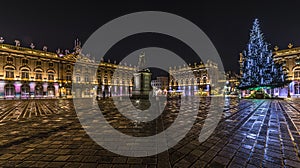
(254, 133)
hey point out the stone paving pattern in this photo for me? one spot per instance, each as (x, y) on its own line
(252, 133)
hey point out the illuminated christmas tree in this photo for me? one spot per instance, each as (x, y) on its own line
(258, 68)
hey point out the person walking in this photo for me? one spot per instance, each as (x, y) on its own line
(103, 93)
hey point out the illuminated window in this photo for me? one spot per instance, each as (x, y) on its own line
(25, 74)
(78, 78)
(69, 76)
(38, 74)
(38, 90)
(9, 73)
(50, 75)
(68, 91)
(86, 78)
(9, 90)
(50, 90)
(297, 73)
(25, 90)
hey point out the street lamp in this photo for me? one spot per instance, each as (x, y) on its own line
(289, 91)
(60, 89)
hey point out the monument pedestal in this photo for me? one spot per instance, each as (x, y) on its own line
(140, 94)
(142, 84)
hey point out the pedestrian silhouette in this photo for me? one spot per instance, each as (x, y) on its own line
(103, 94)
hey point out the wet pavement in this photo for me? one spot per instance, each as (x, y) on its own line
(251, 133)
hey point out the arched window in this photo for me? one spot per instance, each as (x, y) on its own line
(25, 90)
(9, 72)
(38, 90)
(69, 76)
(172, 82)
(51, 90)
(38, 74)
(25, 74)
(86, 77)
(99, 80)
(297, 73)
(9, 90)
(204, 79)
(297, 88)
(198, 81)
(50, 75)
(78, 79)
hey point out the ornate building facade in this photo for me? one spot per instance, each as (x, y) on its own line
(161, 82)
(290, 59)
(194, 79)
(30, 73)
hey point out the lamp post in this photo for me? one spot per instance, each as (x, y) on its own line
(109, 90)
(60, 85)
(289, 91)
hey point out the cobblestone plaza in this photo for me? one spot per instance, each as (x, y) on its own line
(251, 133)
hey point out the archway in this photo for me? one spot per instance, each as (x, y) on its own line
(204, 79)
(297, 88)
(38, 90)
(9, 90)
(51, 91)
(25, 90)
(296, 74)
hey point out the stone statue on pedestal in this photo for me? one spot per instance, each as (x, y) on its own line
(142, 79)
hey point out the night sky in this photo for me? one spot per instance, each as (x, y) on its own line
(57, 24)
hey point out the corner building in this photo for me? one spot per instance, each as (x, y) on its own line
(196, 79)
(290, 60)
